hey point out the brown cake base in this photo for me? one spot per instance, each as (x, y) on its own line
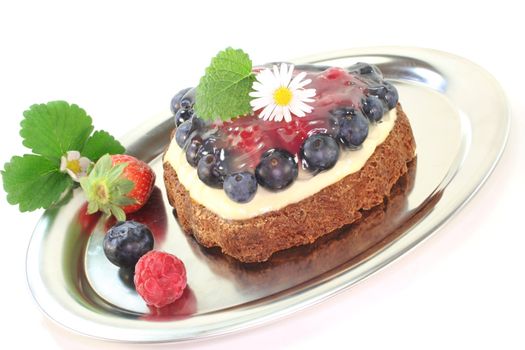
(257, 238)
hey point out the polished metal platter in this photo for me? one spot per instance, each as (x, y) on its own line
(460, 121)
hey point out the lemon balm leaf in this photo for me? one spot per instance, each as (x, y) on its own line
(54, 128)
(223, 91)
(34, 182)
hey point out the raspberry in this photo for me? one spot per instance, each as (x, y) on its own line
(182, 308)
(160, 278)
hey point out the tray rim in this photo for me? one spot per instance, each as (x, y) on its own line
(331, 287)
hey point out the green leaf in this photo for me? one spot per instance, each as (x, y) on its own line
(102, 166)
(34, 182)
(118, 213)
(223, 92)
(100, 143)
(124, 186)
(54, 128)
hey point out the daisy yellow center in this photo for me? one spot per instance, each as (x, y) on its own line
(74, 166)
(282, 96)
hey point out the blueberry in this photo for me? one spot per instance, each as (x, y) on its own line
(126, 242)
(361, 68)
(391, 96)
(369, 71)
(353, 130)
(319, 152)
(276, 170)
(377, 90)
(334, 120)
(183, 115)
(240, 187)
(209, 146)
(192, 152)
(211, 170)
(197, 123)
(175, 101)
(188, 100)
(342, 112)
(183, 131)
(372, 108)
(333, 125)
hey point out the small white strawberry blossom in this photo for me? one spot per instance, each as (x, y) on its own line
(75, 165)
(280, 95)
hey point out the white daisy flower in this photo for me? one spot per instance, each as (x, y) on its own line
(75, 165)
(280, 95)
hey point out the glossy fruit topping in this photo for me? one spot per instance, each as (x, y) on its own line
(240, 187)
(175, 101)
(182, 133)
(192, 151)
(276, 170)
(183, 115)
(391, 95)
(353, 129)
(211, 170)
(346, 102)
(372, 108)
(319, 152)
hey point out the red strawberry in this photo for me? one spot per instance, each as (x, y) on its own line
(143, 177)
(118, 185)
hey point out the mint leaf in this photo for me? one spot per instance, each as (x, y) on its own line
(223, 92)
(100, 143)
(34, 182)
(54, 128)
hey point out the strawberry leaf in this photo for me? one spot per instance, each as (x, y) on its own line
(34, 182)
(100, 143)
(54, 128)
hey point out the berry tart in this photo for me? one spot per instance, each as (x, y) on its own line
(267, 158)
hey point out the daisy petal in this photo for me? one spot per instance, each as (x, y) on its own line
(297, 80)
(271, 79)
(287, 115)
(260, 102)
(276, 114)
(296, 111)
(267, 111)
(303, 83)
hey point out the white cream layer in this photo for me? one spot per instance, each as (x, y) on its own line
(265, 201)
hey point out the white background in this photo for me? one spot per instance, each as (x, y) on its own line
(123, 60)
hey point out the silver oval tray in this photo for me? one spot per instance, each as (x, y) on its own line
(460, 121)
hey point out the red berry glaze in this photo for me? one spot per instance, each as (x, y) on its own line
(250, 136)
(160, 278)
